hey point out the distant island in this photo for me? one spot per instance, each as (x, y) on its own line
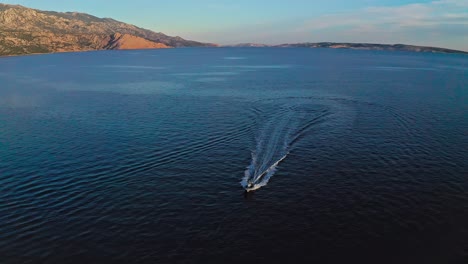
(30, 31)
(358, 46)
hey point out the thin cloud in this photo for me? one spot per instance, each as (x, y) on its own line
(458, 3)
(435, 13)
(443, 23)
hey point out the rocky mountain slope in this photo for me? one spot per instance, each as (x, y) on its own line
(25, 31)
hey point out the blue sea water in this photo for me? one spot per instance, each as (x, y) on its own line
(141, 157)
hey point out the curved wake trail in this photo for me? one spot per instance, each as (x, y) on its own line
(275, 140)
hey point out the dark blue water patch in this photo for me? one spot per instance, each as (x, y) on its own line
(129, 157)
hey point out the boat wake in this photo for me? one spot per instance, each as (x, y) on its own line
(277, 137)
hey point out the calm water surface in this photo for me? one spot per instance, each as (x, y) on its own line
(138, 157)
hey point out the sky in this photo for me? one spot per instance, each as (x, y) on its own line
(441, 23)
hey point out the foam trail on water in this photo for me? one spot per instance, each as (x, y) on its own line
(262, 179)
(274, 142)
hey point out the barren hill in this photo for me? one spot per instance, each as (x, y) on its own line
(25, 31)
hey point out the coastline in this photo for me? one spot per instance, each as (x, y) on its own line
(431, 50)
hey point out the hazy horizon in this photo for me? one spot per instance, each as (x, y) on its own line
(439, 23)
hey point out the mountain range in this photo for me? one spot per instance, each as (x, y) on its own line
(25, 31)
(28, 31)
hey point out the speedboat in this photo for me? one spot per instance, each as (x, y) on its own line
(250, 187)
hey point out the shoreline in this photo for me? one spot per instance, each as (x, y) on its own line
(283, 46)
(75, 51)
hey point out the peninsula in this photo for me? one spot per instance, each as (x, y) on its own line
(357, 46)
(27, 31)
